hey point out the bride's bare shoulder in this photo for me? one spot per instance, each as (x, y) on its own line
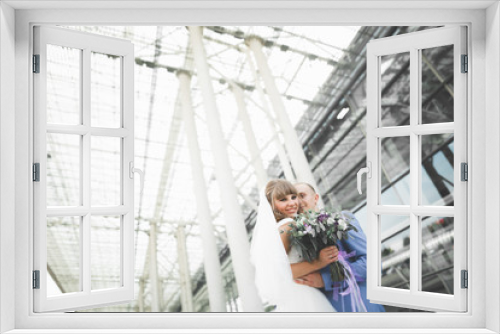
(285, 224)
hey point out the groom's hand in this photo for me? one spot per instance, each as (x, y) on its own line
(313, 279)
(328, 255)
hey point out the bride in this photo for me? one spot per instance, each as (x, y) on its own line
(276, 262)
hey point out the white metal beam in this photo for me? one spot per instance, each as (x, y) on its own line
(236, 231)
(209, 245)
(184, 276)
(292, 143)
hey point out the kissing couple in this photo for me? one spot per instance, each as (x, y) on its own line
(282, 276)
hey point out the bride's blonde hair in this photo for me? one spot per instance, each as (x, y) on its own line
(277, 189)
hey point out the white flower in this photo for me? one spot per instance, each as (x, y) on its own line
(310, 230)
(342, 223)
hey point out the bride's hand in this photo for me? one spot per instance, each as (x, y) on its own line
(328, 255)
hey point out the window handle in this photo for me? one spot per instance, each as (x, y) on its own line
(368, 171)
(133, 170)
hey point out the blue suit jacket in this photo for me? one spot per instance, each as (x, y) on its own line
(358, 265)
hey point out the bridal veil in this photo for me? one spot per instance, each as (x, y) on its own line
(273, 275)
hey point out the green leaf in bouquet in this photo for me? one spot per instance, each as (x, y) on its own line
(312, 256)
(337, 272)
(313, 242)
(308, 256)
(297, 241)
(339, 235)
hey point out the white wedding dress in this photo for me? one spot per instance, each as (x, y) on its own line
(302, 298)
(273, 274)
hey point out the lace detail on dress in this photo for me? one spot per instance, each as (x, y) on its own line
(294, 255)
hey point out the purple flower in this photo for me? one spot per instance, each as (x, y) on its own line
(322, 217)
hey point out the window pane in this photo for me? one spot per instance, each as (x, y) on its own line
(106, 171)
(437, 169)
(63, 169)
(395, 251)
(395, 89)
(106, 90)
(63, 85)
(105, 258)
(63, 255)
(437, 85)
(437, 254)
(394, 169)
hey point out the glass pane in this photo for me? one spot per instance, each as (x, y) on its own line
(395, 251)
(395, 89)
(106, 171)
(63, 85)
(63, 255)
(105, 252)
(394, 169)
(437, 169)
(63, 169)
(106, 90)
(437, 254)
(437, 85)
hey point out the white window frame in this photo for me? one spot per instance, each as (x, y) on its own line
(484, 103)
(87, 297)
(412, 44)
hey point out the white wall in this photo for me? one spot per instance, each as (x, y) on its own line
(485, 153)
(7, 57)
(492, 153)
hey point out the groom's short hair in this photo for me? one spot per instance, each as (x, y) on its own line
(307, 184)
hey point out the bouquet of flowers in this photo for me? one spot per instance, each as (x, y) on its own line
(314, 231)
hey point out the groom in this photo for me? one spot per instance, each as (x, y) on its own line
(308, 199)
